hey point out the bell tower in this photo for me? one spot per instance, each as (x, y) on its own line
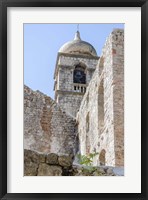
(76, 62)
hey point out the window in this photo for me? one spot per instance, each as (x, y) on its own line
(79, 75)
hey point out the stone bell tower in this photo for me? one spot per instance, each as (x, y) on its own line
(76, 62)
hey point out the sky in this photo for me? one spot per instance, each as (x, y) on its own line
(42, 43)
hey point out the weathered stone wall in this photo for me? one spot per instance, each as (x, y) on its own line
(70, 103)
(114, 68)
(67, 93)
(46, 127)
(87, 118)
(101, 115)
(36, 164)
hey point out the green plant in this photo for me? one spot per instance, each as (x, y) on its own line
(86, 159)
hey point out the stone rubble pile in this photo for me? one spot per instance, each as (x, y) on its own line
(36, 164)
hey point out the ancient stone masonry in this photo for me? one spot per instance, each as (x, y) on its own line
(87, 115)
(47, 128)
(101, 114)
(51, 164)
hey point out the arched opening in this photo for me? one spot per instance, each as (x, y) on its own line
(79, 75)
(102, 157)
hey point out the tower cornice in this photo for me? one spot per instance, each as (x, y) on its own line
(72, 56)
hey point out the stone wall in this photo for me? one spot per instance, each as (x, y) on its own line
(101, 115)
(67, 93)
(118, 102)
(36, 164)
(70, 102)
(87, 118)
(47, 128)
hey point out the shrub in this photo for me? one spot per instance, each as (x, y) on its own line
(86, 159)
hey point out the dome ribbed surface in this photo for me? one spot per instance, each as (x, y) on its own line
(78, 46)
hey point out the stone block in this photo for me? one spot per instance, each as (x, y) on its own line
(101, 170)
(52, 159)
(49, 170)
(109, 171)
(65, 161)
(33, 156)
(30, 169)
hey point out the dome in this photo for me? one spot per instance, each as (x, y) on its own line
(78, 46)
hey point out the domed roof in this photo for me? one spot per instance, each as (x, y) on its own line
(78, 46)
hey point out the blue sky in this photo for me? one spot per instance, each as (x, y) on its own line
(41, 45)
